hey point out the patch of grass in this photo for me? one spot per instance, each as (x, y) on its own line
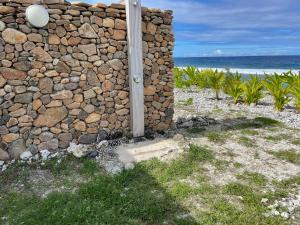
(186, 165)
(216, 137)
(246, 141)
(289, 155)
(188, 102)
(181, 190)
(250, 132)
(221, 165)
(195, 130)
(253, 178)
(238, 165)
(267, 121)
(89, 167)
(278, 137)
(296, 141)
(217, 110)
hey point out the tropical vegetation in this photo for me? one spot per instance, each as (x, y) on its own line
(282, 87)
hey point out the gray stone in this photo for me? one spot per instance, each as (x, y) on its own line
(116, 64)
(3, 130)
(51, 145)
(16, 148)
(88, 138)
(26, 155)
(4, 156)
(24, 66)
(25, 98)
(102, 135)
(46, 85)
(2, 26)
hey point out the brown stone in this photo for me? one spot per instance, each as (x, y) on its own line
(2, 81)
(150, 90)
(104, 69)
(8, 138)
(51, 117)
(13, 36)
(35, 37)
(4, 156)
(119, 35)
(74, 41)
(151, 28)
(46, 85)
(88, 49)
(123, 94)
(41, 55)
(36, 104)
(53, 39)
(65, 94)
(86, 31)
(120, 24)
(92, 118)
(6, 10)
(116, 64)
(61, 67)
(80, 126)
(108, 22)
(12, 74)
(107, 85)
(122, 112)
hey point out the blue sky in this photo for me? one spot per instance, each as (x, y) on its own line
(232, 27)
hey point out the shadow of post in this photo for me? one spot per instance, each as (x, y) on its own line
(133, 197)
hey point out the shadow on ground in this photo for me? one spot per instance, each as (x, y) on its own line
(133, 197)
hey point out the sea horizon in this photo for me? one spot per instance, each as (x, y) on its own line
(244, 64)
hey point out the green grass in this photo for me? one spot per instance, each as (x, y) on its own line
(289, 155)
(246, 141)
(250, 132)
(188, 102)
(216, 137)
(154, 192)
(296, 141)
(256, 179)
(277, 138)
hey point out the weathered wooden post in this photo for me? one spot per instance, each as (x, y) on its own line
(135, 62)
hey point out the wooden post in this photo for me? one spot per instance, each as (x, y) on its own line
(135, 63)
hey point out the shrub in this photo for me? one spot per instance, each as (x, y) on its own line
(215, 81)
(252, 90)
(295, 90)
(191, 72)
(276, 85)
(178, 77)
(233, 86)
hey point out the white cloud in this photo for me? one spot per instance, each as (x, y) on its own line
(218, 52)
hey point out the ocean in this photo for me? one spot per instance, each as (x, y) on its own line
(244, 64)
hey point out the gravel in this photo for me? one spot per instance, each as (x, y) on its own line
(204, 104)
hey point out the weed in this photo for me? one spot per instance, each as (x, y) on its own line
(233, 86)
(246, 141)
(216, 137)
(288, 155)
(252, 90)
(253, 178)
(275, 85)
(215, 81)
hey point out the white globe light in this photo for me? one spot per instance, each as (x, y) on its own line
(37, 16)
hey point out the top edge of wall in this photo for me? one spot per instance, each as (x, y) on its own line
(82, 4)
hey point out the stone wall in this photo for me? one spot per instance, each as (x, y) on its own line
(69, 81)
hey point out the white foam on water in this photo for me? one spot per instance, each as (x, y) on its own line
(251, 71)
